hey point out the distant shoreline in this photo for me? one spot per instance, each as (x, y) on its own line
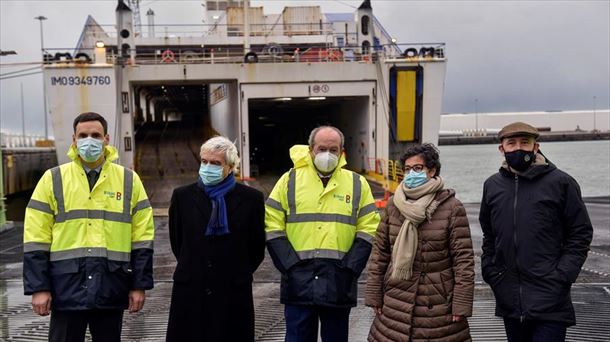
(597, 199)
(544, 137)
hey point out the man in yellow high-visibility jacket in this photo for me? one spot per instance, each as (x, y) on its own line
(88, 239)
(320, 220)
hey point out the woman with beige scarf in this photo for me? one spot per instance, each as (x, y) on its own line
(421, 272)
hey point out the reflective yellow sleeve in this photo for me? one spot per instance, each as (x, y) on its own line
(142, 237)
(368, 216)
(40, 213)
(37, 236)
(276, 207)
(281, 251)
(142, 225)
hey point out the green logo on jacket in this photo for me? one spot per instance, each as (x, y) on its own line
(346, 198)
(111, 194)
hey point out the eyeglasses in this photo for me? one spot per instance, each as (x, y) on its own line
(416, 168)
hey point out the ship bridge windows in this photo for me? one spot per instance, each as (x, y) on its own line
(276, 124)
(364, 25)
(366, 47)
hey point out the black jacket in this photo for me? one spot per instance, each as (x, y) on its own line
(536, 235)
(212, 292)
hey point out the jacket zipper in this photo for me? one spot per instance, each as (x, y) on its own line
(515, 241)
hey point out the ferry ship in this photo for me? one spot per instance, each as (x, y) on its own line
(262, 80)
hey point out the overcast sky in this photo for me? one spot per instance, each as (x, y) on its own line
(510, 55)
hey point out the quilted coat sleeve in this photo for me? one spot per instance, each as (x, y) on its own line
(378, 263)
(462, 256)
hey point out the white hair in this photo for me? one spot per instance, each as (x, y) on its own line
(222, 144)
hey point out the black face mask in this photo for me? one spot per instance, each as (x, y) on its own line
(520, 160)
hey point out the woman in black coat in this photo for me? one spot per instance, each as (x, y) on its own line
(216, 229)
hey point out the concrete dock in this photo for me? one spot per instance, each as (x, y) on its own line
(591, 294)
(544, 137)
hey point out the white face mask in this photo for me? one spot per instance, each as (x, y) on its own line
(326, 162)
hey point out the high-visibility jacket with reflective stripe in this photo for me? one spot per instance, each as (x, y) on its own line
(88, 247)
(306, 221)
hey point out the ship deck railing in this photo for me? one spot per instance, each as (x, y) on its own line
(237, 54)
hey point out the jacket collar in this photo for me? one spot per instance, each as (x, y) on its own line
(444, 195)
(202, 202)
(441, 196)
(302, 158)
(541, 166)
(110, 154)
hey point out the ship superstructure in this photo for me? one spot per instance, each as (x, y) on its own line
(263, 80)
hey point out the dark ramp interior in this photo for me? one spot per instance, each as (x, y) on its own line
(167, 145)
(276, 125)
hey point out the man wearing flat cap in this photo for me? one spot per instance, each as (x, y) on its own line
(536, 235)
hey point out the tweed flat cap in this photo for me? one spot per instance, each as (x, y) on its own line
(518, 128)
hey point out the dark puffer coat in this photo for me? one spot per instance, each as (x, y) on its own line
(536, 234)
(442, 283)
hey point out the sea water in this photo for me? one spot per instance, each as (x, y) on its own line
(465, 167)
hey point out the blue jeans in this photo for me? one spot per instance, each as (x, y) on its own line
(534, 331)
(302, 323)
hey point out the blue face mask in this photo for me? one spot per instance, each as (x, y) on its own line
(210, 174)
(90, 149)
(415, 179)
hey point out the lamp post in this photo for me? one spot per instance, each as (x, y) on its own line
(594, 114)
(22, 117)
(44, 86)
(3, 223)
(476, 116)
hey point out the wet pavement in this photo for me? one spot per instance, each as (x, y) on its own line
(591, 294)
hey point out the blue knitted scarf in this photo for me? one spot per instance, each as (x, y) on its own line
(218, 224)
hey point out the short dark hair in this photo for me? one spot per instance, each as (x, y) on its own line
(90, 116)
(429, 154)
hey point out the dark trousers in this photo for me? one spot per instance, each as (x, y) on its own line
(302, 323)
(534, 331)
(70, 326)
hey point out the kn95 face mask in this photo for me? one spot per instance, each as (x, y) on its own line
(326, 162)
